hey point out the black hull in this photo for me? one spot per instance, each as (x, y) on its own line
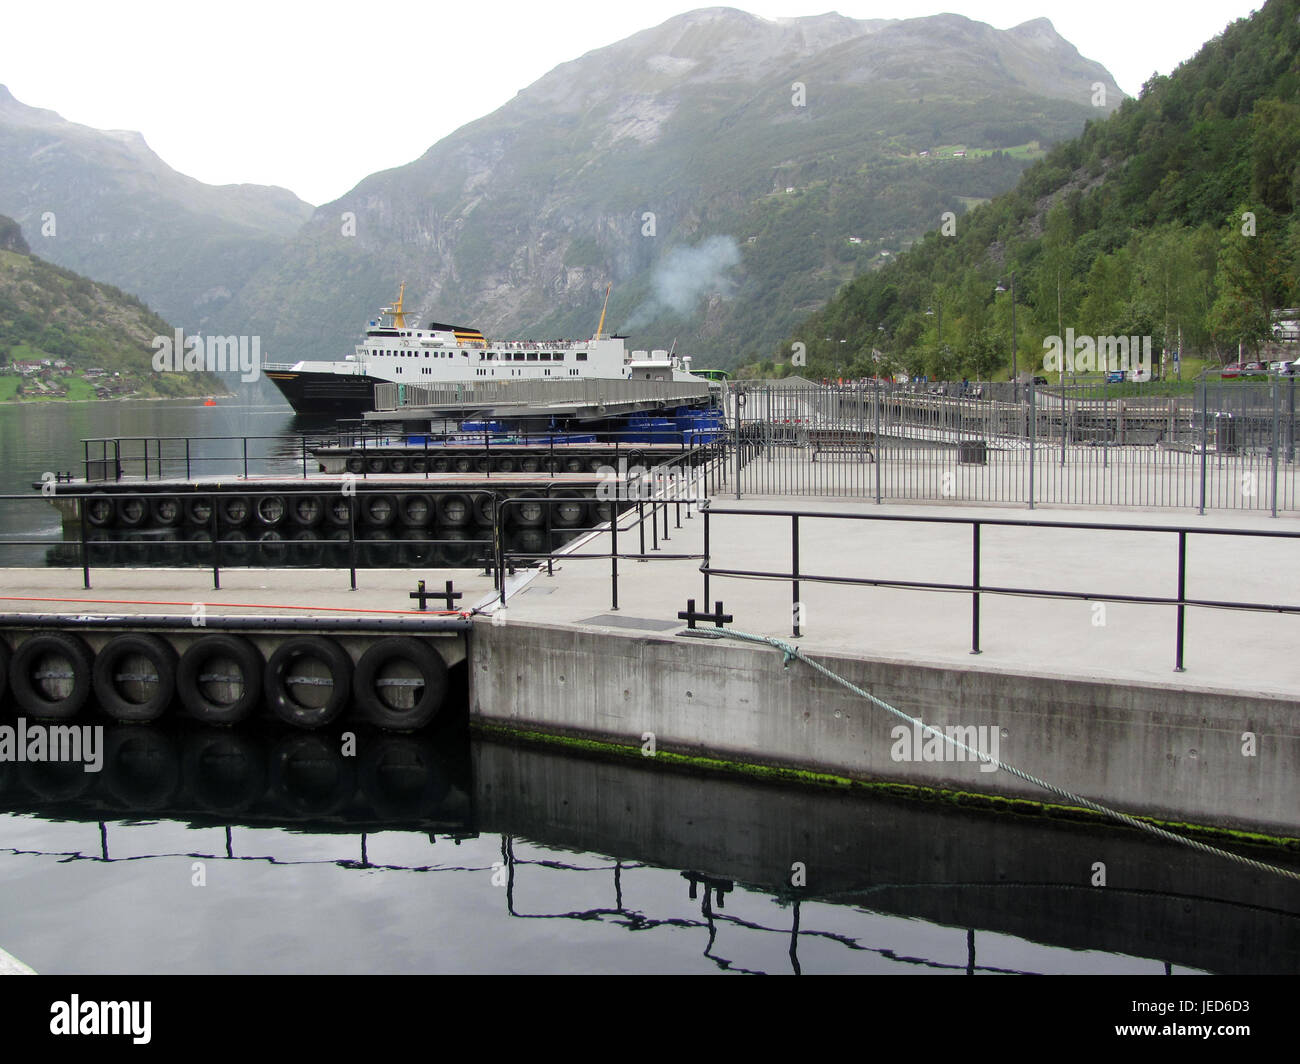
(326, 393)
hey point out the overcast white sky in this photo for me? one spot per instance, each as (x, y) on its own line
(314, 96)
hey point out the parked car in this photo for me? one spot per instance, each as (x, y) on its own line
(1115, 376)
(1040, 380)
(1230, 372)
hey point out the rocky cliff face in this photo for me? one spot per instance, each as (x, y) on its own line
(102, 203)
(797, 144)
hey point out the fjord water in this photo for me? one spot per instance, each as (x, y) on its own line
(268, 851)
(39, 438)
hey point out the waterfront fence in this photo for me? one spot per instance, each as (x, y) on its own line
(1202, 445)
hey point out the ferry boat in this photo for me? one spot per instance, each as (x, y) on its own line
(400, 352)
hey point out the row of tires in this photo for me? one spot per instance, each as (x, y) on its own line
(217, 771)
(371, 462)
(398, 683)
(568, 509)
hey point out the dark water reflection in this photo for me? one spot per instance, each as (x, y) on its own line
(438, 854)
(36, 438)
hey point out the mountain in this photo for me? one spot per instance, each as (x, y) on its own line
(1177, 217)
(726, 173)
(103, 204)
(91, 336)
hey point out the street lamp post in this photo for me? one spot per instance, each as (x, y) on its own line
(1015, 372)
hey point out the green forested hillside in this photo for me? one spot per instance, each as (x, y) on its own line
(49, 314)
(1175, 215)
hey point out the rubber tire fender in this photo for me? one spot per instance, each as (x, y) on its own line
(160, 655)
(100, 510)
(167, 511)
(229, 510)
(416, 510)
(74, 649)
(270, 510)
(306, 511)
(518, 515)
(450, 509)
(132, 511)
(278, 696)
(369, 504)
(365, 683)
(557, 510)
(197, 657)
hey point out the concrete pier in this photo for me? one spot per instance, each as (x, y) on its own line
(1081, 693)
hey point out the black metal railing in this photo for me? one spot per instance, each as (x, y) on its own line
(672, 488)
(976, 588)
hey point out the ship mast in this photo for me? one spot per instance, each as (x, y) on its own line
(398, 314)
(600, 328)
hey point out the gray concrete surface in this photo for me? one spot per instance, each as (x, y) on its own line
(1083, 697)
(10, 965)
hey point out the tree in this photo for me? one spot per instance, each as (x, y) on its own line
(1250, 278)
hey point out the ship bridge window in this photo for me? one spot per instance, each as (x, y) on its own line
(519, 356)
(546, 356)
(532, 356)
(582, 356)
(558, 356)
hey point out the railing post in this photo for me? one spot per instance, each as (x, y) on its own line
(187, 459)
(352, 539)
(707, 559)
(736, 402)
(1033, 437)
(304, 456)
(550, 543)
(1276, 441)
(879, 449)
(1182, 587)
(794, 570)
(215, 525)
(1205, 437)
(85, 558)
(975, 585)
(244, 440)
(613, 548)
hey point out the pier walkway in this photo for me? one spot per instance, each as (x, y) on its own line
(1228, 650)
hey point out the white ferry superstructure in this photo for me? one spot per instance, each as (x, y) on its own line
(395, 351)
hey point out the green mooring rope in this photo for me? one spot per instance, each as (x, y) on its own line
(790, 652)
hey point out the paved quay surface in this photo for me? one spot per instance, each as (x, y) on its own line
(381, 593)
(1226, 650)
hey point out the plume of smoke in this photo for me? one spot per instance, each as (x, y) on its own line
(685, 275)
